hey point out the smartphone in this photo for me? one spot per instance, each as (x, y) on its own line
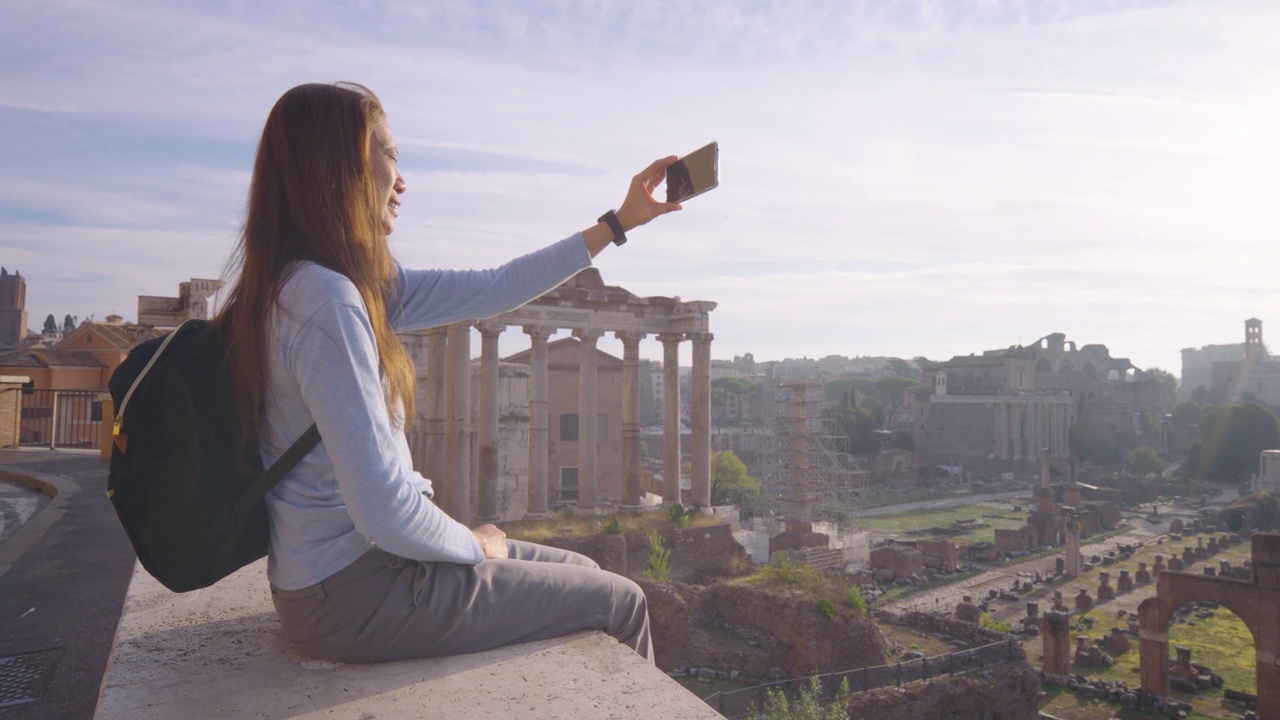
(694, 174)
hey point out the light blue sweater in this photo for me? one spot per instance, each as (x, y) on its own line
(358, 488)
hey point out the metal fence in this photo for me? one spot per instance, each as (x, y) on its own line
(749, 701)
(56, 418)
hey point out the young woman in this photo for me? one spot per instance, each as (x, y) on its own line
(363, 566)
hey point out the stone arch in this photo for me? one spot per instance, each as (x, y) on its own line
(1255, 601)
(1113, 375)
(1043, 365)
(1089, 370)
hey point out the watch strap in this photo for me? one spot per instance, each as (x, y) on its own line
(611, 219)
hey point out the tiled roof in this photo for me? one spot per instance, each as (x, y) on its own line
(121, 336)
(40, 357)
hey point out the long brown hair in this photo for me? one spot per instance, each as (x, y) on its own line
(312, 197)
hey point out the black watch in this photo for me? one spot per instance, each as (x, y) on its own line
(611, 219)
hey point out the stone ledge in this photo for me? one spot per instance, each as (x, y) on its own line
(218, 652)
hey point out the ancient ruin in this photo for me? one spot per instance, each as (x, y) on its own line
(588, 308)
(1255, 601)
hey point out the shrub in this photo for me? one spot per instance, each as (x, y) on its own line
(677, 514)
(991, 623)
(856, 600)
(613, 526)
(785, 571)
(807, 705)
(659, 558)
(825, 608)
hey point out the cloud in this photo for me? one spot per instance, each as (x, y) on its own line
(906, 178)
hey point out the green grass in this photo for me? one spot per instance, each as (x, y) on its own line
(988, 516)
(1222, 642)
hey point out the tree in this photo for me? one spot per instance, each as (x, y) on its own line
(890, 389)
(874, 407)
(1200, 394)
(726, 391)
(68, 324)
(900, 367)
(730, 482)
(1232, 437)
(50, 325)
(838, 389)
(1147, 422)
(1168, 385)
(1090, 449)
(1187, 412)
(806, 706)
(1144, 460)
(858, 425)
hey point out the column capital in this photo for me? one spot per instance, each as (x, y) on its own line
(703, 337)
(630, 338)
(670, 338)
(540, 331)
(461, 325)
(590, 334)
(490, 328)
(437, 330)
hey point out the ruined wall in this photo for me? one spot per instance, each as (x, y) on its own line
(1005, 692)
(900, 561)
(944, 550)
(1021, 540)
(958, 430)
(806, 642)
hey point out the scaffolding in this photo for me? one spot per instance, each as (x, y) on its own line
(805, 466)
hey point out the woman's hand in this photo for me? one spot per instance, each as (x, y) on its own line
(492, 541)
(639, 207)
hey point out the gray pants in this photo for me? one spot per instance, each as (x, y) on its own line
(382, 607)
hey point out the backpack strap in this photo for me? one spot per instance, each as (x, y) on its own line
(124, 403)
(278, 470)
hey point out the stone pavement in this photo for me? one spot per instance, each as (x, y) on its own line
(64, 568)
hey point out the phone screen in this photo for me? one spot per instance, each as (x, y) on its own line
(694, 174)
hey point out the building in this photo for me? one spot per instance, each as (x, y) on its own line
(1235, 372)
(1003, 406)
(13, 308)
(563, 386)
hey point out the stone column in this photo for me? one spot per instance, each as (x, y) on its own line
(539, 437)
(1037, 425)
(436, 411)
(671, 416)
(1018, 427)
(588, 440)
(455, 497)
(1053, 429)
(700, 452)
(487, 457)
(630, 417)
(1002, 422)
(1072, 567)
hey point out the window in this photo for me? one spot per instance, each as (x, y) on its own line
(568, 483)
(569, 429)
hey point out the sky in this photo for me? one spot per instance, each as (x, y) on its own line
(897, 178)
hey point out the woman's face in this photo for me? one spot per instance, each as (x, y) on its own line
(383, 155)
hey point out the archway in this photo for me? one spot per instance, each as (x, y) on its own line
(1255, 601)
(1212, 636)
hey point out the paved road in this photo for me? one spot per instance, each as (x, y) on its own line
(63, 576)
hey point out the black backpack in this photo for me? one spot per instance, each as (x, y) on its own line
(192, 512)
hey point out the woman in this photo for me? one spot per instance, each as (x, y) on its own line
(363, 566)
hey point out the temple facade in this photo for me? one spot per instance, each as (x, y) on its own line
(466, 473)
